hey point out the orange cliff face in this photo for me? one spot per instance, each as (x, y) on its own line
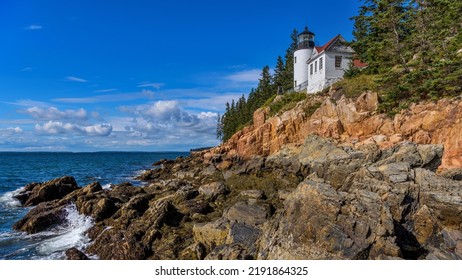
(353, 122)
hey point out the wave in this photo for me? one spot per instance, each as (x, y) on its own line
(72, 234)
(107, 186)
(50, 244)
(8, 200)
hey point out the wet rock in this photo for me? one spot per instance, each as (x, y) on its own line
(75, 254)
(36, 193)
(42, 217)
(114, 244)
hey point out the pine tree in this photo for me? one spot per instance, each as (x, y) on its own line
(265, 86)
(381, 32)
(414, 45)
(279, 73)
(289, 61)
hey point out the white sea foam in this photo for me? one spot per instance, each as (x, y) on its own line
(107, 186)
(8, 199)
(72, 234)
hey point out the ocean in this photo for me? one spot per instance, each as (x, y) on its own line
(19, 169)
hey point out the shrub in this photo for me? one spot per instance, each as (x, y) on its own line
(355, 86)
(286, 102)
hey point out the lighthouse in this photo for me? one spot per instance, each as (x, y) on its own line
(301, 56)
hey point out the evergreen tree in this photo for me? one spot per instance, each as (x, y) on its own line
(279, 73)
(381, 31)
(289, 61)
(414, 45)
(265, 85)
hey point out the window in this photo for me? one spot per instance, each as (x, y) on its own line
(295, 59)
(316, 66)
(338, 61)
(295, 83)
(320, 63)
(311, 69)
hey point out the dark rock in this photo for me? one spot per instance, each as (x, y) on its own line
(244, 234)
(36, 193)
(41, 218)
(125, 191)
(117, 244)
(75, 254)
(192, 207)
(163, 162)
(248, 213)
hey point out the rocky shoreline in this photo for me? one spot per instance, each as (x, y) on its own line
(313, 200)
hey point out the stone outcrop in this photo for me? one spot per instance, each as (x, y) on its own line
(35, 193)
(355, 122)
(317, 199)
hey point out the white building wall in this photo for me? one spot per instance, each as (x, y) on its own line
(300, 66)
(317, 79)
(329, 74)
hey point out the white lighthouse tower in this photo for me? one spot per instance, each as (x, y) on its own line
(301, 56)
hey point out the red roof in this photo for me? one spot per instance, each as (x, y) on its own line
(358, 63)
(320, 49)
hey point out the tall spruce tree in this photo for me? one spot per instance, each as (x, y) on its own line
(279, 73)
(289, 61)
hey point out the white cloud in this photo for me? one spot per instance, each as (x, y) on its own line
(16, 129)
(33, 27)
(105, 90)
(153, 85)
(167, 119)
(28, 103)
(245, 76)
(214, 103)
(53, 113)
(144, 94)
(75, 79)
(9, 132)
(26, 69)
(53, 127)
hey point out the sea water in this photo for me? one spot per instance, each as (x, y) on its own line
(19, 169)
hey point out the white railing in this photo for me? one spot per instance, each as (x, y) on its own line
(300, 87)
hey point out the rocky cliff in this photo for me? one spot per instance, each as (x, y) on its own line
(356, 122)
(316, 200)
(330, 179)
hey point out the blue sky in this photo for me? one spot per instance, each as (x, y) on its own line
(81, 75)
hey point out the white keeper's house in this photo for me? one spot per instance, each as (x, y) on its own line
(318, 67)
